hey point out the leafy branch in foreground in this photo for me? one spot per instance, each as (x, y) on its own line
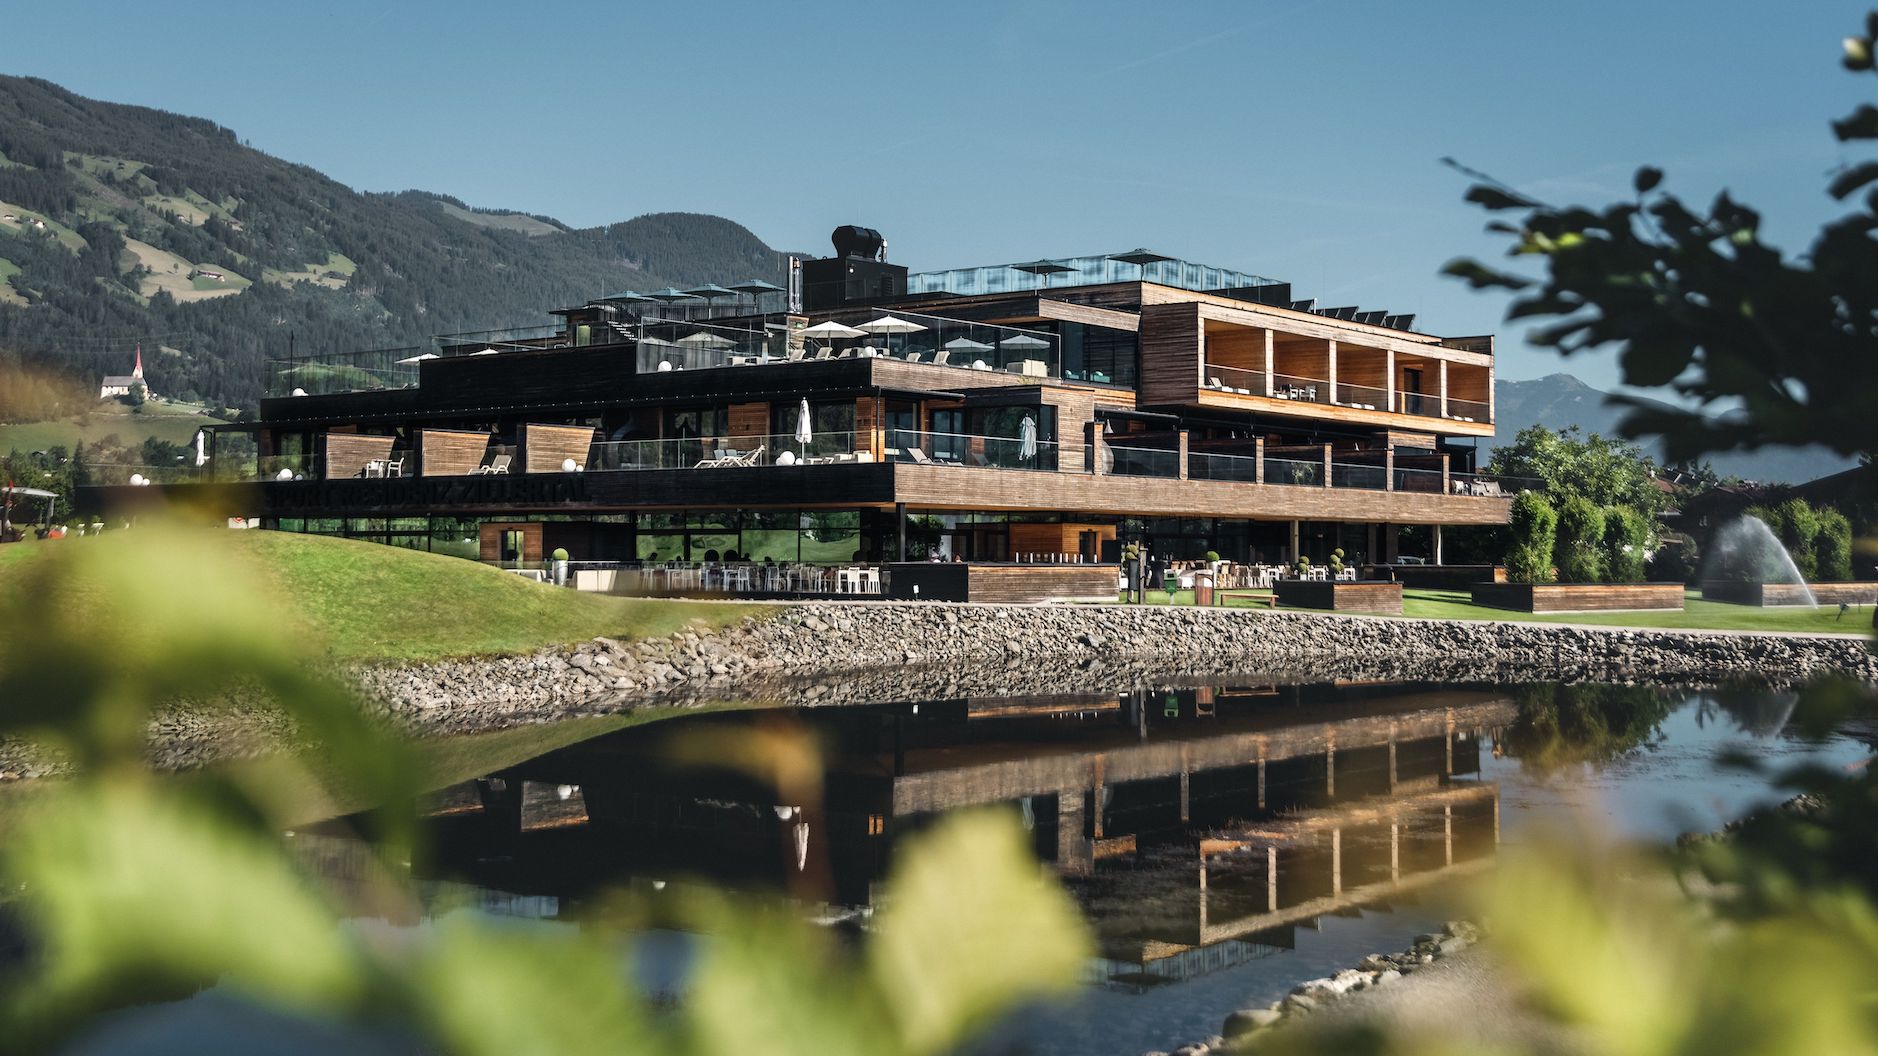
(1692, 299)
(132, 888)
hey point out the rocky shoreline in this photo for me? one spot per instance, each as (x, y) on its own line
(1242, 1029)
(825, 654)
(831, 654)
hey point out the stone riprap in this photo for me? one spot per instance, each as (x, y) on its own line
(861, 653)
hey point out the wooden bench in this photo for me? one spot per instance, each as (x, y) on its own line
(1221, 594)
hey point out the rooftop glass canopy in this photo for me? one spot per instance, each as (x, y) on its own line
(1082, 271)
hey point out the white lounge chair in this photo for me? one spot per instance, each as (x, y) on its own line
(498, 464)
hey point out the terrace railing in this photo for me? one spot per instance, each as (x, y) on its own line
(1419, 480)
(1353, 475)
(965, 449)
(1206, 465)
(1144, 461)
(1465, 410)
(1297, 471)
(723, 452)
(1363, 397)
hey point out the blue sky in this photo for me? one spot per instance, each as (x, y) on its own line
(1297, 140)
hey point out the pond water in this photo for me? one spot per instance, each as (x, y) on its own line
(1224, 842)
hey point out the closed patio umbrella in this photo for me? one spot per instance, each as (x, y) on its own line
(805, 429)
(1027, 438)
(488, 352)
(202, 454)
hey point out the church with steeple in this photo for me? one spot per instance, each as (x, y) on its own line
(120, 384)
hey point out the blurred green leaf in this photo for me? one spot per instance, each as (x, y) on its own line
(489, 988)
(134, 895)
(946, 954)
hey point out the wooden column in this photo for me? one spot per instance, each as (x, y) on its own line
(1388, 468)
(1336, 861)
(1388, 388)
(1447, 487)
(1331, 360)
(1258, 454)
(1326, 465)
(1294, 542)
(1268, 362)
(1443, 375)
(1180, 470)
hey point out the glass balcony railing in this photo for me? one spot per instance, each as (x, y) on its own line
(1143, 461)
(1351, 475)
(1205, 465)
(962, 449)
(1243, 381)
(1296, 471)
(726, 452)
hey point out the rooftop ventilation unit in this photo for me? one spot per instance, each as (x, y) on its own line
(862, 242)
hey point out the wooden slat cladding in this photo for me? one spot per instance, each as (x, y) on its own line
(1578, 597)
(1053, 538)
(1378, 599)
(489, 540)
(450, 452)
(867, 426)
(546, 447)
(1171, 354)
(1403, 438)
(1031, 584)
(749, 419)
(347, 453)
(953, 487)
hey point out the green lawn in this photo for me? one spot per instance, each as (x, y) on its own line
(1696, 615)
(365, 601)
(176, 423)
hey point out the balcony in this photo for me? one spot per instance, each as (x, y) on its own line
(1294, 388)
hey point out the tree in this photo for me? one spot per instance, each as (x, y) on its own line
(1607, 472)
(1693, 300)
(1579, 551)
(1627, 538)
(1533, 529)
(1832, 546)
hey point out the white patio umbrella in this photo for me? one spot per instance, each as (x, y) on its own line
(706, 339)
(1025, 342)
(829, 331)
(420, 358)
(488, 352)
(891, 324)
(804, 428)
(1027, 438)
(202, 453)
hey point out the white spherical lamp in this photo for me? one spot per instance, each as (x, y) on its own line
(787, 458)
(568, 465)
(299, 392)
(664, 367)
(285, 474)
(136, 480)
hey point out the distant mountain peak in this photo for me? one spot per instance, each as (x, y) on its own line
(1559, 401)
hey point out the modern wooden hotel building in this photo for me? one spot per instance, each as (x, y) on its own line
(1046, 411)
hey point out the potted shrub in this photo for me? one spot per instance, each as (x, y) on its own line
(559, 566)
(1336, 563)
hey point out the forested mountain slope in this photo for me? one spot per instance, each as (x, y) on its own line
(120, 223)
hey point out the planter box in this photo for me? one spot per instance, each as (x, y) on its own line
(1361, 596)
(1000, 584)
(1438, 577)
(1766, 594)
(1578, 597)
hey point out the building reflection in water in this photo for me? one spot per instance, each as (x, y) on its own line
(1199, 828)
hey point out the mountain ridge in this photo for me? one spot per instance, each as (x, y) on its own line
(1560, 400)
(121, 223)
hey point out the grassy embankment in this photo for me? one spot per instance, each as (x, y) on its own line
(1697, 614)
(366, 602)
